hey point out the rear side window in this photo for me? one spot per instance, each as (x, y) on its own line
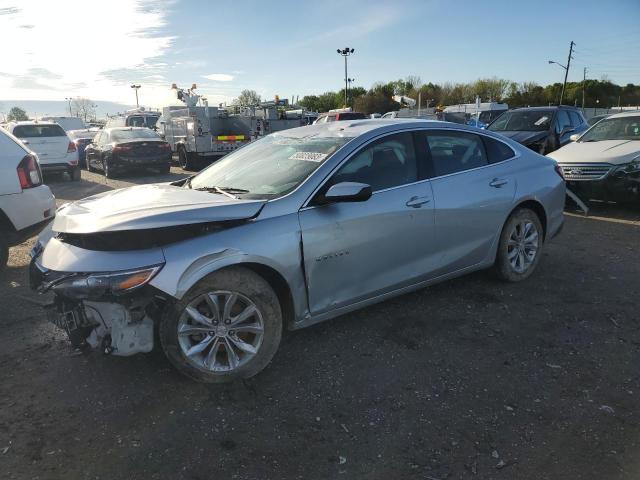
(497, 151)
(35, 131)
(455, 152)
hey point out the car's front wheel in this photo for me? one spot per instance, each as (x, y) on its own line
(228, 326)
(520, 246)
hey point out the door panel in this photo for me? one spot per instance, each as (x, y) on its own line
(353, 251)
(470, 208)
(472, 197)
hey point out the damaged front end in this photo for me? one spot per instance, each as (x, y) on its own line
(111, 311)
(100, 254)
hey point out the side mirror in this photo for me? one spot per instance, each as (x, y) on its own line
(574, 137)
(566, 130)
(347, 192)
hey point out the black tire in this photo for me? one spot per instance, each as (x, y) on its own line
(75, 174)
(4, 251)
(186, 159)
(233, 279)
(108, 172)
(503, 267)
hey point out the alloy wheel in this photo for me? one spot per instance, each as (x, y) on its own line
(522, 246)
(220, 331)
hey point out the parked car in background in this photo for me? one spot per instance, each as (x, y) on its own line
(298, 227)
(116, 150)
(55, 150)
(338, 116)
(134, 118)
(542, 129)
(26, 205)
(67, 123)
(595, 119)
(82, 138)
(604, 163)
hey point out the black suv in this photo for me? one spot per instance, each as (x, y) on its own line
(542, 129)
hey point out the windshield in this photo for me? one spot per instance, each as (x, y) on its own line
(270, 167)
(523, 121)
(622, 128)
(131, 134)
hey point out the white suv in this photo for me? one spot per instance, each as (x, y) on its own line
(26, 205)
(56, 152)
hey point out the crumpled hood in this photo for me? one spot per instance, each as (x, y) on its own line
(616, 152)
(525, 138)
(150, 206)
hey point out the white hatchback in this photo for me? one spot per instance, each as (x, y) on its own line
(56, 152)
(26, 205)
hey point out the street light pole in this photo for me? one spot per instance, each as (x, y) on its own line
(136, 87)
(345, 52)
(68, 99)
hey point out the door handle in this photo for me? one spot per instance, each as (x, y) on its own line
(498, 182)
(417, 202)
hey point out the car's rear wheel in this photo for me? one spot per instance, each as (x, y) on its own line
(75, 174)
(4, 251)
(186, 159)
(228, 326)
(520, 246)
(108, 172)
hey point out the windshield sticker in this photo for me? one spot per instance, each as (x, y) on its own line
(308, 156)
(541, 120)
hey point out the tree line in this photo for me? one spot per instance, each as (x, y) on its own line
(378, 99)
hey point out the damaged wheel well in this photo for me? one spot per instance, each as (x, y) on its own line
(539, 210)
(279, 285)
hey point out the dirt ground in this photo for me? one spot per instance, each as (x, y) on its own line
(470, 379)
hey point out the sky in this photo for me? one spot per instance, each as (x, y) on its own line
(96, 49)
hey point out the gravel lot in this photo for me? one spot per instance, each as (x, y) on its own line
(469, 379)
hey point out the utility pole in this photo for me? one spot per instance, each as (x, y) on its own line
(584, 82)
(345, 52)
(566, 71)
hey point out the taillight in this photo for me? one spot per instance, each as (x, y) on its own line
(71, 147)
(166, 146)
(559, 171)
(120, 149)
(29, 172)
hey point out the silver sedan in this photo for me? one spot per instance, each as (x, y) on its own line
(296, 228)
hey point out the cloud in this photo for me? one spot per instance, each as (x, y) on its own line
(219, 77)
(375, 18)
(134, 41)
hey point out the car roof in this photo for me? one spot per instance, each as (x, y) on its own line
(632, 113)
(355, 128)
(33, 122)
(120, 129)
(552, 107)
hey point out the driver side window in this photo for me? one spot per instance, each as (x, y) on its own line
(562, 121)
(385, 163)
